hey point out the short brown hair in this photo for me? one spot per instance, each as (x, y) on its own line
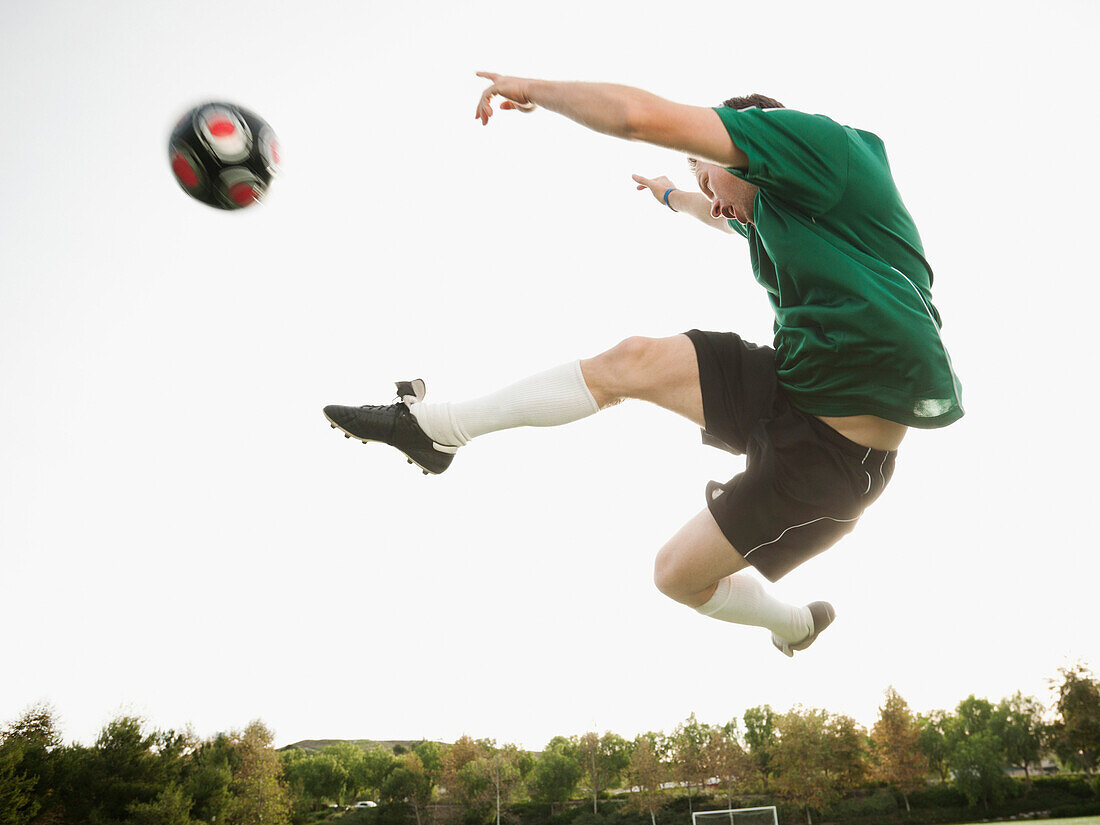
(746, 102)
(749, 101)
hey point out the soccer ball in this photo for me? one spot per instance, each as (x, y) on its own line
(223, 155)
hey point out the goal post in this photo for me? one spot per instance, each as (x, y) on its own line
(737, 816)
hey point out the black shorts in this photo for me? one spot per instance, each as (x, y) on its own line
(804, 485)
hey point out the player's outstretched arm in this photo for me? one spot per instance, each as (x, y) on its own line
(690, 203)
(620, 111)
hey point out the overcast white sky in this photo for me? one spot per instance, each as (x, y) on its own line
(183, 537)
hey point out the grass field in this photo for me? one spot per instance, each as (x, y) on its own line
(1074, 820)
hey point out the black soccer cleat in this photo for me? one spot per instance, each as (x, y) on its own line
(394, 424)
(822, 615)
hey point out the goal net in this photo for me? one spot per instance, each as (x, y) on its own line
(737, 816)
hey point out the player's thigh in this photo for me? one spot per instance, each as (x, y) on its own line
(694, 559)
(663, 371)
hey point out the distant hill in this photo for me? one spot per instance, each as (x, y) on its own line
(314, 745)
(365, 744)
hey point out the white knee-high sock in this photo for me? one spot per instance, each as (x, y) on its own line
(741, 599)
(554, 397)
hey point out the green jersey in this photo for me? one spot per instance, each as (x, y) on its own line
(834, 246)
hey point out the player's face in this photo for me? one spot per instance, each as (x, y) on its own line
(730, 197)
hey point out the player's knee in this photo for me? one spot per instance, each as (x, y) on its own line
(634, 355)
(667, 575)
(624, 367)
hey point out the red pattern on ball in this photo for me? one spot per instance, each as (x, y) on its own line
(221, 127)
(183, 170)
(242, 194)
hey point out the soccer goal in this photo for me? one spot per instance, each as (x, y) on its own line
(737, 816)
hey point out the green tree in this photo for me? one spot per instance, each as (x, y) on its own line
(37, 725)
(976, 754)
(846, 751)
(557, 773)
(431, 758)
(27, 746)
(121, 770)
(932, 741)
(259, 795)
(896, 740)
(430, 755)
(410, 782)
(414, 777)
(348, 757)
(370, 773)
(1076, 733)
(727, 760)
(17, 801)
(977, 765)
(689, 755)
(170, 807)
(801, 760)
(319, 777)
(647, 774)
(762, 741)
(467, 777)
(1018, 721)
(603, 759)
(208, 776)
(296, 775)
(506, 768)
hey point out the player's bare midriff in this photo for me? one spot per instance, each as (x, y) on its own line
(868, 430)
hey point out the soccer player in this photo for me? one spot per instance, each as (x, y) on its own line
(857, 355)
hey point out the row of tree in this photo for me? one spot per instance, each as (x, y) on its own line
(809, 758)
(138, 777)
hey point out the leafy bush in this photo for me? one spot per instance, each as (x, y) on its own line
(1077, 786)
(1081, 809)
(879, 803)
(937, 796)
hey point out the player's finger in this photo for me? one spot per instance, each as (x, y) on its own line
(484, 108)
(493, 76)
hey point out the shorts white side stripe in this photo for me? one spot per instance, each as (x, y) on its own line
(804, 524)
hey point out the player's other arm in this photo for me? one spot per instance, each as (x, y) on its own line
(620, 111)
(690, 203)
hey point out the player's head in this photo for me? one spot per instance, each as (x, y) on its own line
(753, 101)
(730, 196)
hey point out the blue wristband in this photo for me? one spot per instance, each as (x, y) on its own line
(670, 189)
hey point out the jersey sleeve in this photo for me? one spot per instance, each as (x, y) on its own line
(799, 158)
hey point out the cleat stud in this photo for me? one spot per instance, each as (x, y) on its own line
(408, 461)
(333, 426)
(346, 435)
(425, 472)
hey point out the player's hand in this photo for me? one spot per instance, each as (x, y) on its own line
(658, 186)
(512, 89)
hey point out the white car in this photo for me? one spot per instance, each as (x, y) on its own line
(366, 803)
